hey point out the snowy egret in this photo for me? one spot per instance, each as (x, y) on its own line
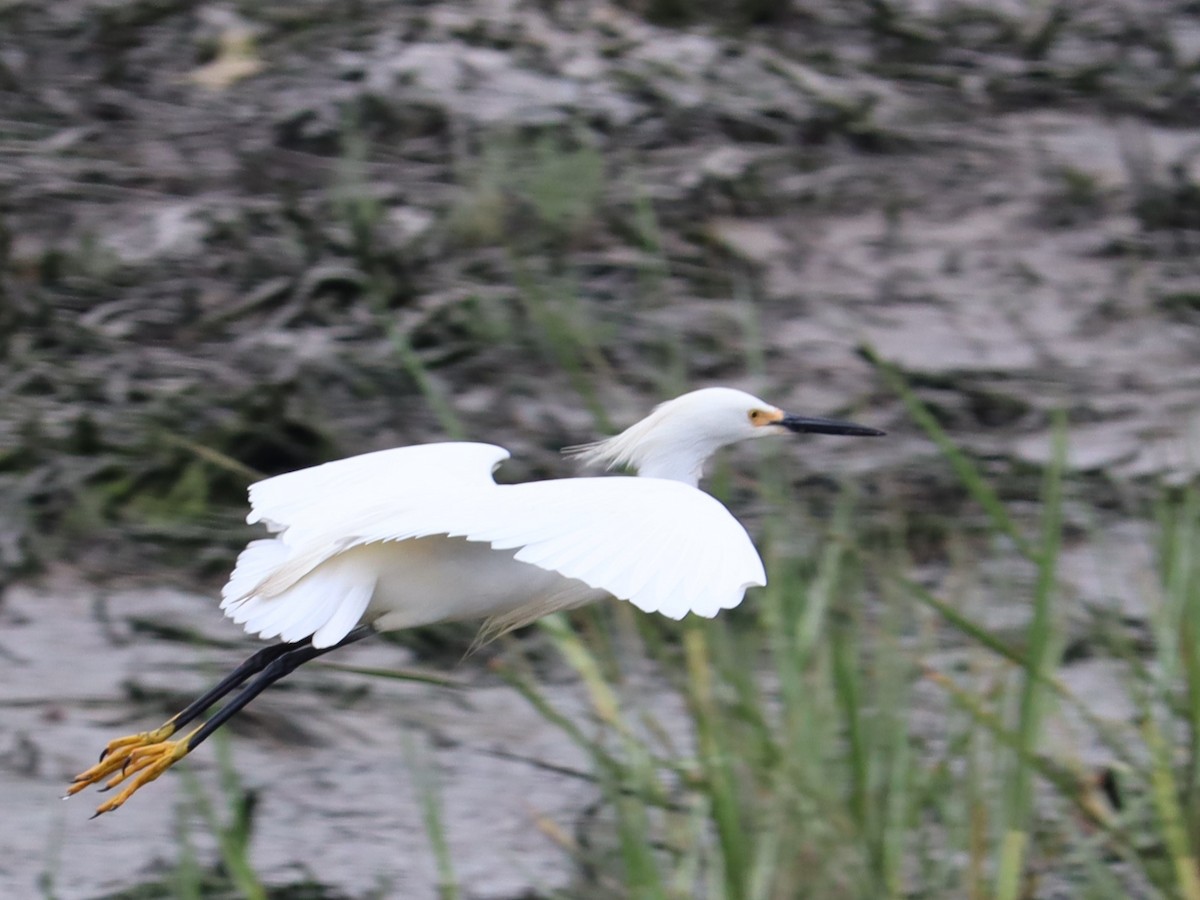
(423, 534)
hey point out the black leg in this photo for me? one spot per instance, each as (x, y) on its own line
(271, 669)
(145, 756)
(251, 666)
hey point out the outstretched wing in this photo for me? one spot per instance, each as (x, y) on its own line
(276, 590)
(329, 498)
(663, 545)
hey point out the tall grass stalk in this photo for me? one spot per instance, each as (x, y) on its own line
(567, 334)
(968, 473)
(425, 778)
(232, 831)
(806, 766)
(1041, 642)
(814, 743)
(188, 875)
(448, 418)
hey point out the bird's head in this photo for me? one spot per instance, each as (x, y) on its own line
(678, 436)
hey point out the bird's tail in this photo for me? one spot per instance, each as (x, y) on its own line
(323, 602)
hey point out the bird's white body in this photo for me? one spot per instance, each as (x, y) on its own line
(405, 584)
(441, 579)
(423, 534)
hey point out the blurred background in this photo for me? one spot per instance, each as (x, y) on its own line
(240, 238)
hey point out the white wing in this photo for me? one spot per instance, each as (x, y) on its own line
(662, 545)
(320, 499)
(275, 590)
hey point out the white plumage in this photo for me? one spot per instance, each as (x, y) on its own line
(396, 526)
(424, 534)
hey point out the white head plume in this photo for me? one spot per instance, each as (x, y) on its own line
(676, 439)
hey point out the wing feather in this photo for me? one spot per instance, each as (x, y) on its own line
(321, 498)
(349, 612)
(292, 585)
(662, 545)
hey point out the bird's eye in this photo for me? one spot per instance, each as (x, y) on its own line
(756, 416)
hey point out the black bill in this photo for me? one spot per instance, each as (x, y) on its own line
(817, 425)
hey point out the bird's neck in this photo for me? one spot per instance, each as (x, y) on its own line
(675, 464)
(676, 453)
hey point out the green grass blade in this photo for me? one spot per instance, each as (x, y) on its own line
(417, 676)
(966, 470)
(1039, 662)
(232, 836)
(715, 759)
(1116, 736)
(448, 418)
(425, 779)
(1166, 803)
(1065, 782)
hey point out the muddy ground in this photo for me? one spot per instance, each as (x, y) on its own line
(240, 238)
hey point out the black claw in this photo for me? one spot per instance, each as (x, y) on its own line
(103, 753)
(105, 789)
(94, 815)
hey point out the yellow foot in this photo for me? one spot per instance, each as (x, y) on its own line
(116, 756)
(144, 765)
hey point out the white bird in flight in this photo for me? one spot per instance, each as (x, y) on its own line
(423, 534)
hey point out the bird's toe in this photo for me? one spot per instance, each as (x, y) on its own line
(116, 757)
(142, 765)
